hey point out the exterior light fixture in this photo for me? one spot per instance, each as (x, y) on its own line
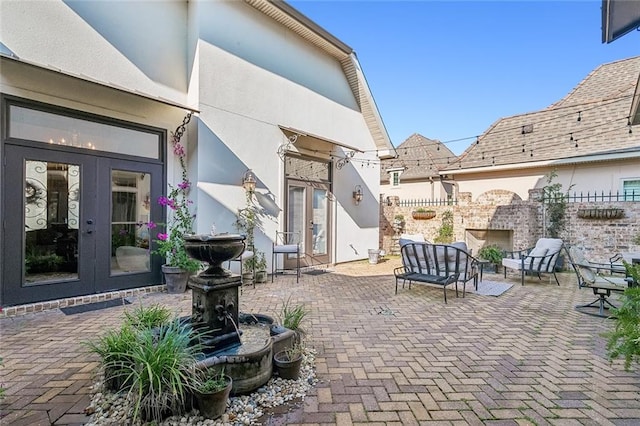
(249, 182)
(357, 194)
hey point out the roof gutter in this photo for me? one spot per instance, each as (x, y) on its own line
(547, 163)
(298, 16)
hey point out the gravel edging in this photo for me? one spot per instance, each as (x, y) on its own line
(107, 408)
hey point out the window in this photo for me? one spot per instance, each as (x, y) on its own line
(631, 189)
(395, 178)
(57, 129)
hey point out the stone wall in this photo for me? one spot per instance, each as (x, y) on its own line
(504, 211)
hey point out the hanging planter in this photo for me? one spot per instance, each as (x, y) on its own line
(597, 213)
(423, 214)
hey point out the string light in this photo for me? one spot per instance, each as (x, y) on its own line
(579, 115)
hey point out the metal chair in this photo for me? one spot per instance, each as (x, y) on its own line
(603, 285)
(286, 243)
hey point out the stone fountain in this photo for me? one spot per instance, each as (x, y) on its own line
(215, 315)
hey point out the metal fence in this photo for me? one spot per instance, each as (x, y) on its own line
(594, 197)
(425, 202)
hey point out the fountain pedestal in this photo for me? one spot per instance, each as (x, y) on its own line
(215, 306)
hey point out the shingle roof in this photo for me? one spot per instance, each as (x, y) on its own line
(591, 119)
(420, 158)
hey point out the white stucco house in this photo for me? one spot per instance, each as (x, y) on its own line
(90, 94)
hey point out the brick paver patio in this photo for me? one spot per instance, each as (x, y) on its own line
(523, 358)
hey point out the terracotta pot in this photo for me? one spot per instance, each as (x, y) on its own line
(175, 278)
(213, 405)
(285, 367)
(261, 276)
(429, 214)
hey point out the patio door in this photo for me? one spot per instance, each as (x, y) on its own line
(75, 224)
(308, 214)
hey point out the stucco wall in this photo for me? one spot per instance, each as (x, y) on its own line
(254, 76)
(132, 44)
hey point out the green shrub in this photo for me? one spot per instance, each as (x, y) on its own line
(212, 381)
(114, 348)
(154, 363)
(147, 317)
(445, 232)
(492, 253)
(163, 372)
(624, 340)
(37, 263)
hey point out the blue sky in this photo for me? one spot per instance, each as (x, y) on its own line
(449, 69)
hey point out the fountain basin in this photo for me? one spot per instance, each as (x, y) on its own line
(214, 250)
(250, 363)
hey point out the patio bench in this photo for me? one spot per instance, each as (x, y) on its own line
(437, 264)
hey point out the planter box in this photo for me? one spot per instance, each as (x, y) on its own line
(430, 214)
(601, 213)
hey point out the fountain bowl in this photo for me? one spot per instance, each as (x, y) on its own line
(214, 250)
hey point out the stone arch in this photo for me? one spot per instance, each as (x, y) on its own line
(500, 197)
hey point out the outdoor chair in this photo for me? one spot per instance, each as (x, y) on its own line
(590, 276)
(537, 260)
(286, 244)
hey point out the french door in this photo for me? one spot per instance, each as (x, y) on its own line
(76, 224)
(309, 215)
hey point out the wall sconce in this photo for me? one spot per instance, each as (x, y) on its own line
(357, 194)
(249, 182)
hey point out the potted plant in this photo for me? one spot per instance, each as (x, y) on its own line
(287, 362)
(491, 253)
(260, 264)
(247, 220)
(170, 244)
(423, 214)
(398, 223)
(212, 393)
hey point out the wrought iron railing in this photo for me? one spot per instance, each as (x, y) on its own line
(595, 197)
(427, 202)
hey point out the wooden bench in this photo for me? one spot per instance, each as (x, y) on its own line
(438, 264)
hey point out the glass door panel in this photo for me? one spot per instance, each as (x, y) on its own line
(51, 219)
(130, 207)
(320, 222)
(296, 217)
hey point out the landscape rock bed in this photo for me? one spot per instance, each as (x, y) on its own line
(244, 410)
